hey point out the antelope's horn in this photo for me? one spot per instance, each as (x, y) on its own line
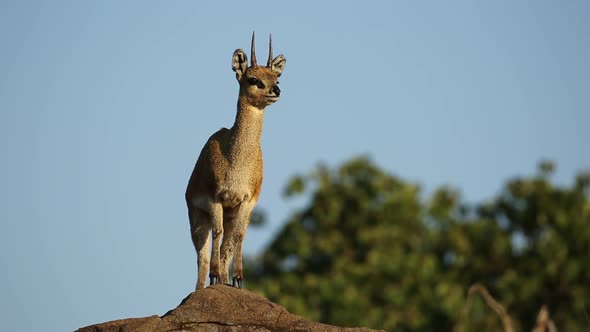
(269, 61)
(253, 52)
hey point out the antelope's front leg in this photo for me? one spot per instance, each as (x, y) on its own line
(238, 239)
(227, 246)
(216, 212)
(238, 275)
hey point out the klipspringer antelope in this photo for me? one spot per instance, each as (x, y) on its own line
(226, 181)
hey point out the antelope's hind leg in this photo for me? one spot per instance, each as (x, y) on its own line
(200, 234)
(216, 217)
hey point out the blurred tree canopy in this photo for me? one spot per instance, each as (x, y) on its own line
(369, 250)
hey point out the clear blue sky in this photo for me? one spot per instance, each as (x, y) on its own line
(105, 105)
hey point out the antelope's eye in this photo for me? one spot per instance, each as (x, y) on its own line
(255, 81)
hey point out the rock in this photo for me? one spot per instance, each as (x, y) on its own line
(220, 308)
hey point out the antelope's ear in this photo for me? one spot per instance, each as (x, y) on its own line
(278, 64)
(239, 63)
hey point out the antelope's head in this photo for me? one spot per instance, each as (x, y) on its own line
(258, 84)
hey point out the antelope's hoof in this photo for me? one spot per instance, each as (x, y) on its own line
(213, 279)
(237, 282)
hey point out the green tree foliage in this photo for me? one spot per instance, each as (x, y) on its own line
(368, 250)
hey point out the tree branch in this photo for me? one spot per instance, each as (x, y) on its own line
(491, 302)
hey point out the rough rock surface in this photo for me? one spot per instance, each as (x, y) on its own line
(220, 308)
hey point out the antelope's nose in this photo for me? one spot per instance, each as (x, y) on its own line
(276, 90)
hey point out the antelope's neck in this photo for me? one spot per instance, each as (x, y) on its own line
(246, 131)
